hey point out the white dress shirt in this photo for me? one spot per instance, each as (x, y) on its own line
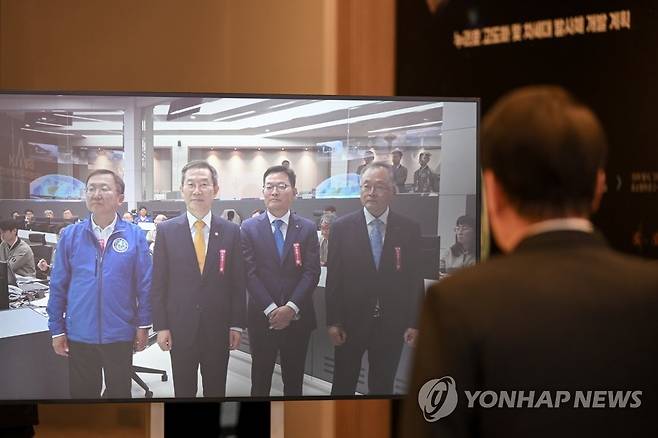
(562, 224)
(103, 233)
(284, 230)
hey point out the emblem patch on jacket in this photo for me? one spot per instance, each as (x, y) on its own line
(120, 245)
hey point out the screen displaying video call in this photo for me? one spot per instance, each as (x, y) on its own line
(189, 246)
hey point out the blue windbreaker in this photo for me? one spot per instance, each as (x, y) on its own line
(100, 297)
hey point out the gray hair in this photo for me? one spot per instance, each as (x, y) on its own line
(328, 218)
(380, 165)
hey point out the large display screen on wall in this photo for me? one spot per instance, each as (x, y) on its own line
(327, 218)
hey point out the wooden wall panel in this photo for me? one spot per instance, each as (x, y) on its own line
(294, 46)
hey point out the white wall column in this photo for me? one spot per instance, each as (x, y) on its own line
(147, 144)
(458, 164)
(132, 155)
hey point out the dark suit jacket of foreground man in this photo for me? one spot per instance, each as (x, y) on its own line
(353, 287)
(195, 307)
(561, 312)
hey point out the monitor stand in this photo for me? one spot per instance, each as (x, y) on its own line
(252, 419)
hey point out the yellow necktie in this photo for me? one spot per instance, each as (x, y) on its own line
(199, 244)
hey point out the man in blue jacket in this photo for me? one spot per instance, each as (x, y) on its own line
(99, 308)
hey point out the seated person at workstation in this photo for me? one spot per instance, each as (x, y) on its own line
(151, 234)
(462, 252)
(325, 226)
(143, 216)
(128, 217)
(68, 216)
(29, 219)
(15, 251)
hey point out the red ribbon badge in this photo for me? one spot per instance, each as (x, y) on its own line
(297, 249)
(398, 258)
(222, 260)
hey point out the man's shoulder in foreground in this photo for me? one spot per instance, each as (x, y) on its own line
(560, 263)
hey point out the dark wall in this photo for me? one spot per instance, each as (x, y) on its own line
(613, 71)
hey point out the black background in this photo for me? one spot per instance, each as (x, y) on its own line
(613, 72)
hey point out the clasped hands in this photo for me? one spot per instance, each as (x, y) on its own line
(280, 317)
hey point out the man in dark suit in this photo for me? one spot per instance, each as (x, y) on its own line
(399, 171)
(198, 287)
(560, 311)
(373, 286)
(283, 267)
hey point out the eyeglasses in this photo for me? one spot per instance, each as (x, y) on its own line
(462, 228)
(204, 186)
(379, 188)
(103, 190)
(282, 187)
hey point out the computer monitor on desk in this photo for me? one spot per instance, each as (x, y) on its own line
(41, 224)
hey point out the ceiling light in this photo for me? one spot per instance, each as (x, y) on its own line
(234, 116)
(184, 109)
(51, 132)
(382, 115)
(283, 104)
(80, 117)
(416, 125)
(50, 124)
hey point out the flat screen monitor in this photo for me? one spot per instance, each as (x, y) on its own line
(390, 175)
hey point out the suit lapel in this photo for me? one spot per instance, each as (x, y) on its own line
(215, 239)
(265, 231)
(392, 231)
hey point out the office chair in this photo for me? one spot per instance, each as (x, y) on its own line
(40, 251)
(137, 369)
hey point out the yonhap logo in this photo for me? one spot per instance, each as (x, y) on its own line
(438, 398)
